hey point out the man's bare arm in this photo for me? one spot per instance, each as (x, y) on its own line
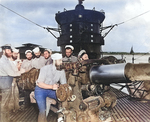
(46, 86)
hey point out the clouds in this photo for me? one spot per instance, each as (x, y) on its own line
(131, 33)
(16, 30)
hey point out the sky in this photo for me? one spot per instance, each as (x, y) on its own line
(16, 31)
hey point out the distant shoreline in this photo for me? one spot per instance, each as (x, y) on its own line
(125, 53)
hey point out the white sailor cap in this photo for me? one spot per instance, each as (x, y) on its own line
(36, 50)
(15, 50)
(81, 53)
(56, 56)
(69, 46)
(28, 51)
(49, 50)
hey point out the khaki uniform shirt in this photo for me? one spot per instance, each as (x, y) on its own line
(7, 67)
(69, 59)
(38, 63)
(49, 75)
(27, 64)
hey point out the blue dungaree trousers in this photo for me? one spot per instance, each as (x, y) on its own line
(5, 88)
(40, 96)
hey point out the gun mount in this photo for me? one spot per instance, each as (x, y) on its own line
(82, 100)
(87, 97)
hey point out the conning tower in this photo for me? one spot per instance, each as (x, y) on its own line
(81, 28)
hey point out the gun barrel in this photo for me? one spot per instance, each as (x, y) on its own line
(107, 74)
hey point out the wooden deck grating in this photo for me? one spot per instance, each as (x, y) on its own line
(128, 110)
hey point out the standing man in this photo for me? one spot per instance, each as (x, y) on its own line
(27, 63)
(39, 61)
(46, 84)
(69, 57)
(15, 54)
(15, 59)
(16, 64)
(7, 73)
(47, 56)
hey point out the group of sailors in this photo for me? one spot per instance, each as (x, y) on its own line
(47, 81)
(39, 61)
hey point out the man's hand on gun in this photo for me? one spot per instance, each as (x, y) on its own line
(55, 86)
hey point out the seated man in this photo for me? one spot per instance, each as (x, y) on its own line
(47, 83)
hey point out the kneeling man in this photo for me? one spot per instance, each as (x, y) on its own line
(47, 83)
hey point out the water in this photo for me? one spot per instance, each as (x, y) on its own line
(128, 58)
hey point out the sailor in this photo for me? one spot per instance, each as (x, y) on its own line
(6, 68)
(27, 63)
(39, 61)
(47, 56)
(47, 83)
(7, 73)
(15, 53)
(16, 62)
(69, 57)
(82, 55)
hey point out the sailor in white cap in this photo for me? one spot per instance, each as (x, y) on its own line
(7, 73)
(69, 57)
(16, 64)
(39, 61)
(27, 63)
(47, 83)
(16, 58)
(83, 55)
(6, 68)
(47, 56)
(15, 54)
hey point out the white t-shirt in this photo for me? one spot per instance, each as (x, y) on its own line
(49, 75)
